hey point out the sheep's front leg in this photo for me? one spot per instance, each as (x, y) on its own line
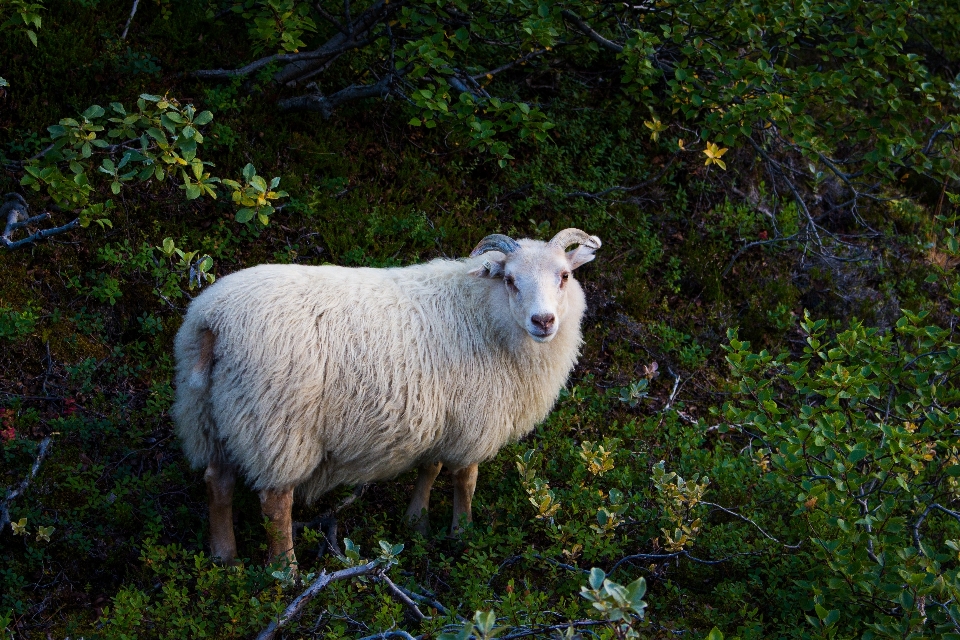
(464, 484)
(220, 478)
(277, 505)
(418, 511)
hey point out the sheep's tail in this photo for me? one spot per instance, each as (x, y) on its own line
(191, 411)
(200, 372)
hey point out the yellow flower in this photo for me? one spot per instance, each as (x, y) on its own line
(713, 153)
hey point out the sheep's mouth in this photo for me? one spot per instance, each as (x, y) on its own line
(542, 336)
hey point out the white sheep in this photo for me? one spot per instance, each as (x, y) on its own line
(306, 378)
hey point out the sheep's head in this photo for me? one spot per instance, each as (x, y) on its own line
(536, 275)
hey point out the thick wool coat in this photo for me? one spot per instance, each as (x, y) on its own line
(323, 376)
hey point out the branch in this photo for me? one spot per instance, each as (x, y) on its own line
(296, 607)
(520, 60)
(755, 243)
(590, 33)
(399, 633)
(430, 603)
(649, 181)
(15, 209)
(399, 594)
(748, 520)
(327, 104)
(42, 451)
(331, 48)
(555, 627)
(916, 527)
(123, 36)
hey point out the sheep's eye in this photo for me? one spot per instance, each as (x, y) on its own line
(510, 282)
(565, 276)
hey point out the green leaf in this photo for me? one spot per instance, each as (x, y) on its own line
(596, 578)
(204, 117)
(248, 172)
(714, 634)
(94, 111)
(245, 215)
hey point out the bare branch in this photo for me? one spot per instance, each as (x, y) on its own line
(15, 210)
(397, 633)
(430, 603)
(749, 521)
(400, 595)
(329, 18)
(590, 33)
(327, 104)
(916, 526)
(520, 60)
(12, 494)
(649, 181)
(296, 607)
(133, 12)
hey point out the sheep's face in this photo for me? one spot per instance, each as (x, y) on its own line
(536, 277)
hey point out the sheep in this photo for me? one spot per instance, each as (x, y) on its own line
(306, 378)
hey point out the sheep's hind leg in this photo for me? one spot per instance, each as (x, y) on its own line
(418, 511)
(464, 484)
(277, 505)
(220, 478)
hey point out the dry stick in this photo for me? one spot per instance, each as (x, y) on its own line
(12, 494)
(123, 36)
(294, 609)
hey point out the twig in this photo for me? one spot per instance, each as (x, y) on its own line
(327, 104)
(520, 60)
(748, 520)
(15, 209)
(397, 633)
(555, 627)
(399, 594)
(296, 607)
(590, 33)
(916, 527)
(42, 451)
(649, 181)
(430, 603)
(123, 36)
(750, 245)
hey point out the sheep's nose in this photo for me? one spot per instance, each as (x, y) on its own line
(543, 321)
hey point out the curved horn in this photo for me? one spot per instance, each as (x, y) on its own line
(496, 242)
(571, 236)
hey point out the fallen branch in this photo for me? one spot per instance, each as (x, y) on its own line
(42, 451)
(292, 612)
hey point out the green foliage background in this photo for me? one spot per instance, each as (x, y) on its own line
(774, 184)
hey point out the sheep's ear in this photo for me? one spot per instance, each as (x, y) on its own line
(580, 256)
(489, 269)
